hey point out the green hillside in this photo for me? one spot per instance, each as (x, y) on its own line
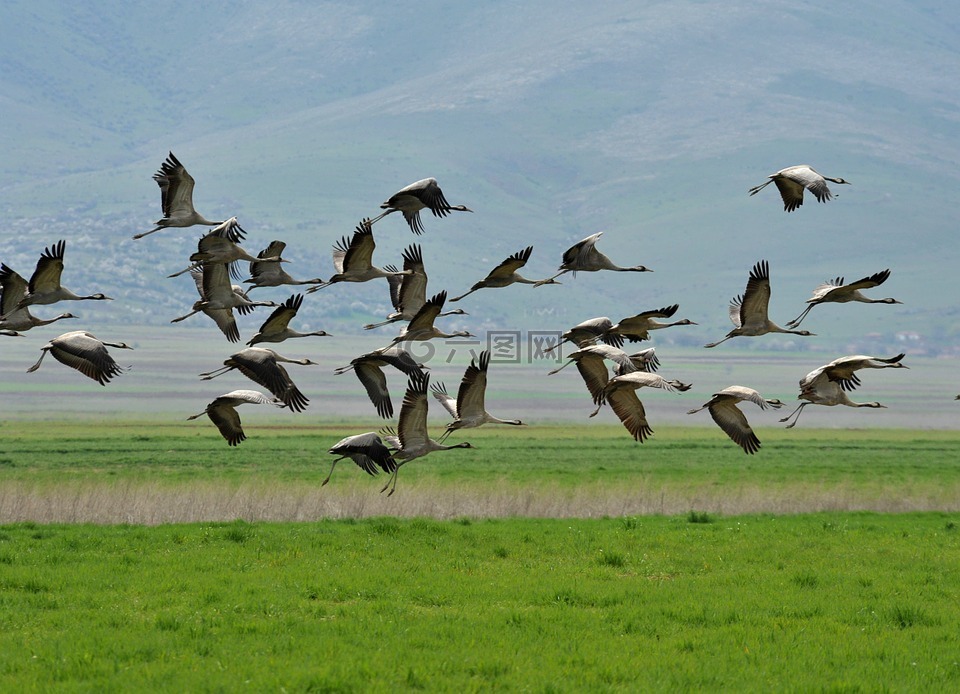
(648, 123)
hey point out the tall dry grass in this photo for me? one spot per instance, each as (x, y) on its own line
(152, 503)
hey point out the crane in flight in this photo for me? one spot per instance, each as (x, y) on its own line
(835, 291)
(353, 259)
(621, 394)
(412, 439)
(13, 320)
(724, 411)
(829, 384)
(44, 287)
(468, 408)
(408, 292)
(84, 352)
(637, 328)
(793, 180)
(267, 270)
(176, 198)
(583, 256)
(222, 411)
(748, 312)
(505, 274)
(277, 326)
(367, 450)
(263, 366)
(422, 194)
(369, 368)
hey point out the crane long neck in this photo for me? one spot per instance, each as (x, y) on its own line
(447, 447)
(66, 295)
(41, 321)
(383, 214)
(550, 280)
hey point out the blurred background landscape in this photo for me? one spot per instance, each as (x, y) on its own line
(552, 122)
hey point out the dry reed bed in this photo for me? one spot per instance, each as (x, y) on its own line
(151, 503)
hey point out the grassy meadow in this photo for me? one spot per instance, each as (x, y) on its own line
(825, 602)
(142, 556)
(184, 472)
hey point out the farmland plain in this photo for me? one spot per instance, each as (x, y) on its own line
(81, 471)
(143, 553)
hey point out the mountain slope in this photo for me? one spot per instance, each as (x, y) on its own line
(648, 123)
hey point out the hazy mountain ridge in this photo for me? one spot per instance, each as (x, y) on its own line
(648, 123)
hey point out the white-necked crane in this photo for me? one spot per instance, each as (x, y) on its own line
(835, 291)
(367, 450)
(421, 194)
(262, 366)
(583, 256)
(277, 326)
(505, 274)
(15, 320)
(44, 286)
(748, 312)
(222, 411)
(353, 259)
(723, 408)
(829, 384)
(468, 409)
(176, 198)
(82, 351)
(792, 181)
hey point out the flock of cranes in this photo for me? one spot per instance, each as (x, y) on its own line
(599, 341)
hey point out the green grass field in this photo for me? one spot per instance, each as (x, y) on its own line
(184, 472)
(557, 558)
(821, 602)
